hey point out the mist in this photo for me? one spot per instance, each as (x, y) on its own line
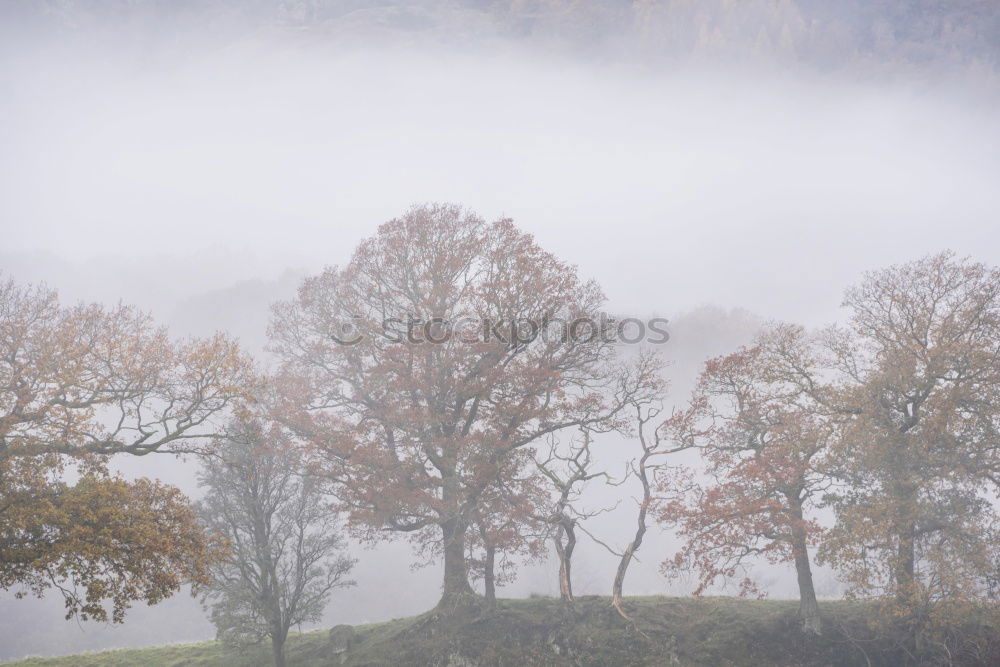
(200, 164)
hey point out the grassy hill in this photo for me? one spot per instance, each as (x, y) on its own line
(681, 631)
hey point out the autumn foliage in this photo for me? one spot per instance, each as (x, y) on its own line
(917, 371)
(891, 421)
(763, 440)
(422, 390)
(413, 421)
(78, 385)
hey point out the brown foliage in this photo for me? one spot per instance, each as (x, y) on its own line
(762, 438)
(102, 539)
(918, 373)
(77, 385)
(412, 433)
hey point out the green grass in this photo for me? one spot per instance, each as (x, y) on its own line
(542, 631)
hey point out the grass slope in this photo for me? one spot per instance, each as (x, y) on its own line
(540, 631)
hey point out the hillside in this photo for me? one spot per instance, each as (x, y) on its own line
(681, 631)
(849, 33)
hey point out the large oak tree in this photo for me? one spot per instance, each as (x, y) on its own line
(418, 370)
(918, 373)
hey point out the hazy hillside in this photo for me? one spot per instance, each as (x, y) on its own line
(857, 34)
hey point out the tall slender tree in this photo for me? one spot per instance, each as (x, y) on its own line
(763, 441)
(567, 469)
(644, 468)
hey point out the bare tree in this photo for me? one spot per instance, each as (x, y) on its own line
(285, 551)
(644, 469)
(567, 472)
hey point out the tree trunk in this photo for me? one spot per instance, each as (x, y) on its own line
(278, 647)
(640, 532)
(906, 584)
(456, 575)
(905, 563)
(565, 552)
(904, 493)
(489, 579)
(272, 612)
(808, 606)
(616, 588)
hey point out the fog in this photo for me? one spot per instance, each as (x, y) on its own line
(202, 173)
(283, 155)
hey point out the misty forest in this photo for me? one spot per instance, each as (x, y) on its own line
(499, 332)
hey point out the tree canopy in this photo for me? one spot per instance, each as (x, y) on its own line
(80, 384)
(421, 369)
